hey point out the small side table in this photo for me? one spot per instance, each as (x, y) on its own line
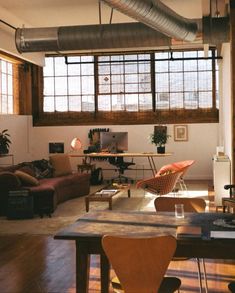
(86, 167)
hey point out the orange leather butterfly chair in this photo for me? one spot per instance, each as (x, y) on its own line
(141, 263)
(160, 184)
(182, 166)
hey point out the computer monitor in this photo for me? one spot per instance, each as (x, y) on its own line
(114, 142)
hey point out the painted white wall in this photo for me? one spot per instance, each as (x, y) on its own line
(226, 110)
(30, 143)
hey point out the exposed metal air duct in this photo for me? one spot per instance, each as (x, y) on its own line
(158, 16)
(107, 36)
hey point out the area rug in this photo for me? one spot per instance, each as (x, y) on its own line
(71, 210)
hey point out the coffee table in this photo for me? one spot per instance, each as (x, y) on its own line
(106, 194)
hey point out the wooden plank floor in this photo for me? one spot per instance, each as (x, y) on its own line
(40, 264)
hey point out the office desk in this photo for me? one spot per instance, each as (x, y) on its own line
(149, 156)
(87, 233)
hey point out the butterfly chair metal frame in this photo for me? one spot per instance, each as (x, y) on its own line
(182, 166)
(141, 263)
(160, 184)
(191, 205)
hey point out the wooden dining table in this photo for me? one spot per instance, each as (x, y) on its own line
(88, 231)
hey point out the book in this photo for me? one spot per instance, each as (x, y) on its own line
(189, 232)
(107, 191)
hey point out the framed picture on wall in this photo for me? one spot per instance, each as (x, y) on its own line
(56, 147)
(181, 132)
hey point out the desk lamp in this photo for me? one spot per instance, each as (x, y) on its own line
(76, 144)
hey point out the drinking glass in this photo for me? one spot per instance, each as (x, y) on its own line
(179, 210)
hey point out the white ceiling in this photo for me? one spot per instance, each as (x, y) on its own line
(42, 13)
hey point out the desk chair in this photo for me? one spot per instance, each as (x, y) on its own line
(191, 205)
(182, 166)
(229, 202)
(121, 167)
(160, 184)
(141, 263)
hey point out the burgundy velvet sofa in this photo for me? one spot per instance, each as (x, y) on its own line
(47, 192)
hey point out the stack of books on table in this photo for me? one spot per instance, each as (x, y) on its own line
(106, 191)
(189, 232)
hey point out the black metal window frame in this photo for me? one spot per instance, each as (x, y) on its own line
(116, 108)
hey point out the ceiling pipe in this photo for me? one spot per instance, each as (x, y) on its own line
(157, 16)
(91, 37)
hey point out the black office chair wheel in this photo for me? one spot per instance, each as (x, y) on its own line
(231, 287)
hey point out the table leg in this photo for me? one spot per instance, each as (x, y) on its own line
(110, 204)
(152, 165)
(104, 273)
(129, 192)
(87, 202)
(82, 268)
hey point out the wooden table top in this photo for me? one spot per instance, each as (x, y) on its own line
(97, 224)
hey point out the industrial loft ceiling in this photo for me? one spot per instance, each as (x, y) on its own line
(93, 25)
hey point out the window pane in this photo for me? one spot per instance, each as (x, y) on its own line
(87, 69)
(205, 80)
(145, 102)
(60, 67)
(88, 103)
(162, 101)
(88, 85)
(4, 83)
(162, 82)
(48, 69)
(191, 100)
(61, 104)
(74, 69)
(48, 86)
(104, 103)
(176, 82)
(118, 103)
(74, 85)
(60, 85)
(74, 103)
(4, 67)
(176, 100)
(205, 99)
(10, 105)
(190, 81)
(9, 85)
(131, 102)
(48, 104)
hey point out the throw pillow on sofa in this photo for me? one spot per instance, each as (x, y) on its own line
(26, 179)
(9, 180)
(61, 165)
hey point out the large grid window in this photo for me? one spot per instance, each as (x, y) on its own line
(124, 83)
(183, 83)
(6, 87)
(130, 82)
(69, 87)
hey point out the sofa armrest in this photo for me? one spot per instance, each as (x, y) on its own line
(9, 180)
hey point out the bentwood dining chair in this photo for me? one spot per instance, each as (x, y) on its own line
(141, 263)
(231, 287)
(191, 205)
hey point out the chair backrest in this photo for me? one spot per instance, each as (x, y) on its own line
(161, 184)
(191, 205)
(177, 166)
(139, 263)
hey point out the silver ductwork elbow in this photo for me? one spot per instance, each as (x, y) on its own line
(158, 16)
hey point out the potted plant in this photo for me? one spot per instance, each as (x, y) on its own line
(4, 142)
(159, 138)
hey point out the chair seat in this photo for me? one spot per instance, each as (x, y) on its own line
(168, 285)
